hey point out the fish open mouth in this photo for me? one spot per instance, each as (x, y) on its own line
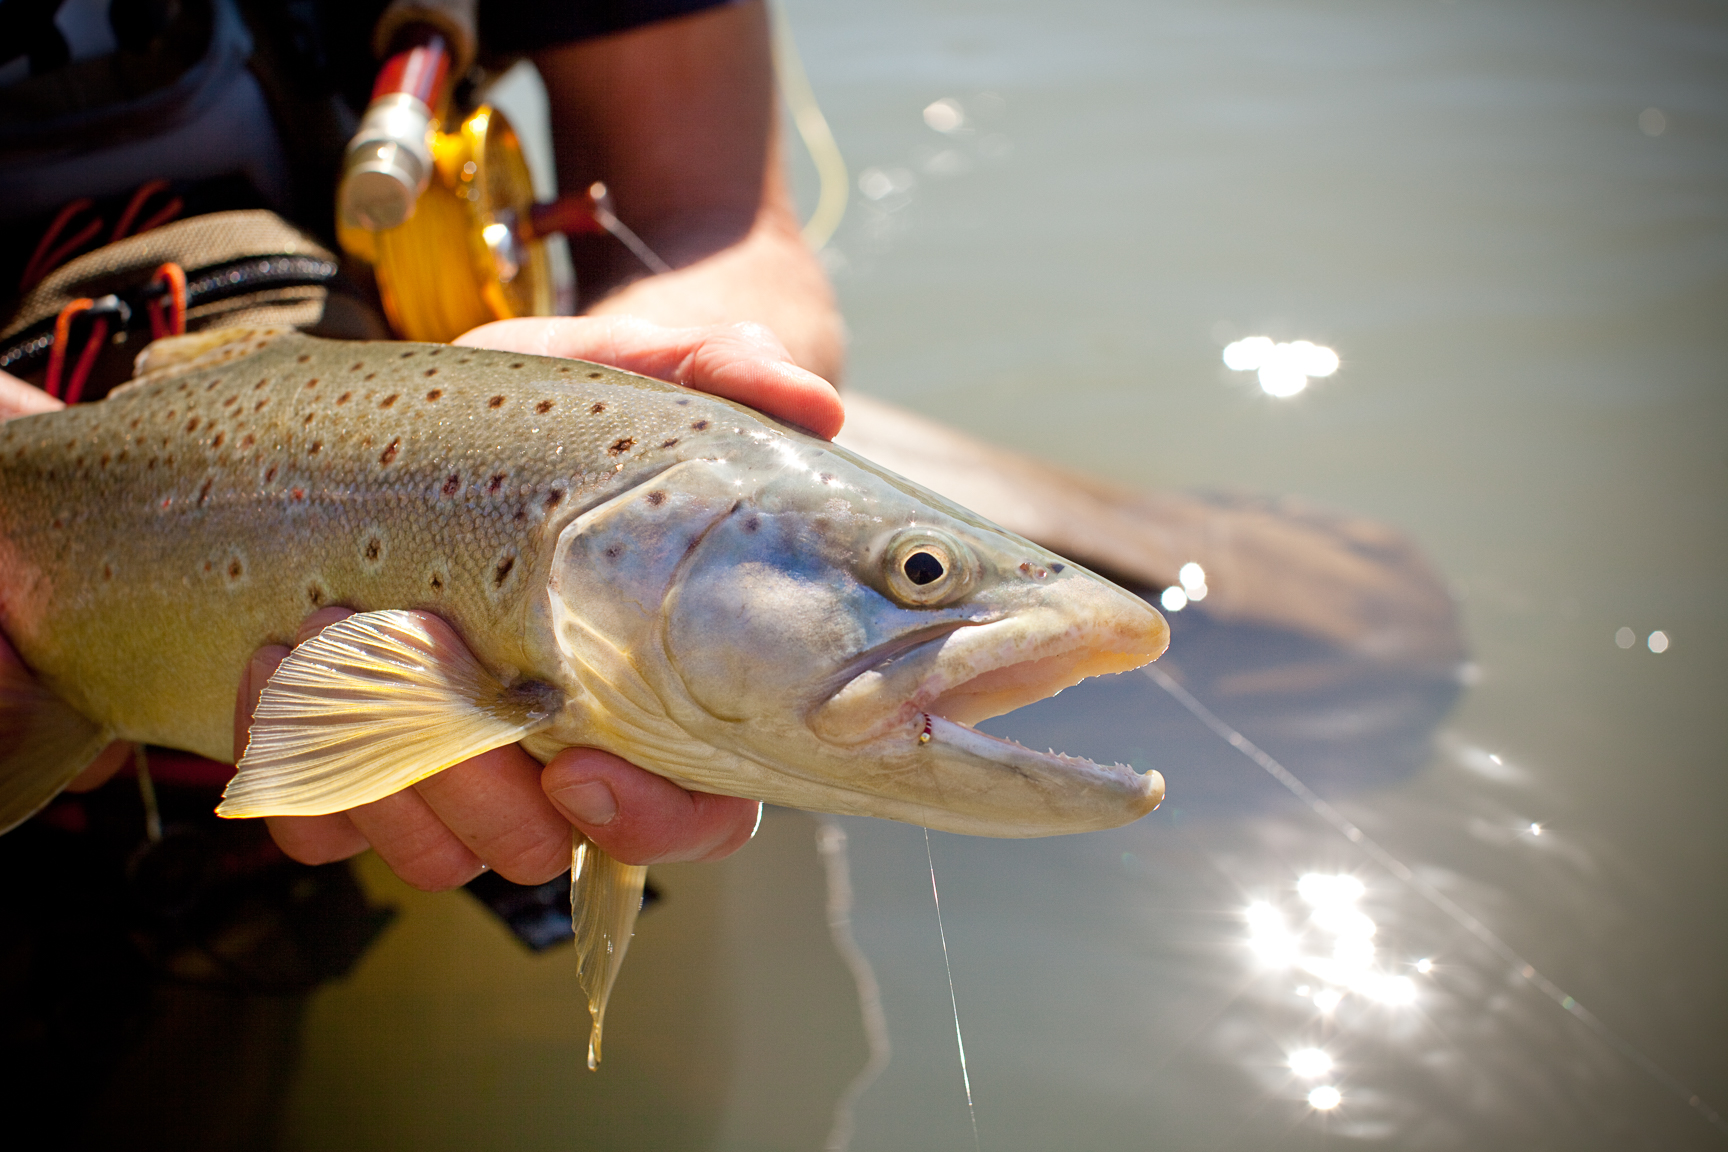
(934, 687)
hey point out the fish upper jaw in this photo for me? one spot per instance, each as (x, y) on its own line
(967, 672)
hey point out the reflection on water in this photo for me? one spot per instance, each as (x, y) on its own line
(1284, 369)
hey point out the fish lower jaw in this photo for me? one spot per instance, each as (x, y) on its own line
(1012, 754)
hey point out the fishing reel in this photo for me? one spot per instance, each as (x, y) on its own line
(447, 217)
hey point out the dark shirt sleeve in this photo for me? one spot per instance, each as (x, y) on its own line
(526, 25)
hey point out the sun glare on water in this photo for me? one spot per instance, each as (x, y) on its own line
(1284, 369)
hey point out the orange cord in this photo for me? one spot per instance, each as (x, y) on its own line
(62, 336)
(136, 205)
(46, 257)
(173, 277)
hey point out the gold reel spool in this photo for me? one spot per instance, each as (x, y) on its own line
(460, 261)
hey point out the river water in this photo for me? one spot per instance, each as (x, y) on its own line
(1511, 223)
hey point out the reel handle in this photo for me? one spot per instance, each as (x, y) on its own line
(389, 161)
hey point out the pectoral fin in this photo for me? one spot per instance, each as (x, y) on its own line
(367, 707)
(605, 897)
(43, 745)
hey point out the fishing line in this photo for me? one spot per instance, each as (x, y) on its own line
(831, 843)
(959, 1040)
(1423, 888)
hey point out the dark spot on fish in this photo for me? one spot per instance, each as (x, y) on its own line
(520, 516)
(656, 498)
(259, 407)
(389, 453)
(496, 483)
(228, 403)
(431, 371)
(374, 547)
(297, 493)
(308, 419)
(518, 364)
(672, 443)
(753, 524)
(312, 383)
(235, 569)
(104, 461)
(302, 359)
(407, 354)
(437, 582)
(172, 412)
(204, 492)
(596, 375)
(562, 370)
(270, 475)
(684, 402)
(543, 407)
(357, 365)
(192, 424)
(502, 572)
(434, 394)
(369, 376)
(316, 445)
(168, 460)
(314, 595)
(1057, 567)
(260, 383)
(217, 442)
(700, 425)
(209, 566)
(435, 352)
(615, 551)
(825, 478)
(388, 400)
(344, 398)
(552, 499)
(152, 463)
(452, 484)
(622, 445)
(495, 402)
(107, 572)
(136, 419)
(248, 440)
(599, 407)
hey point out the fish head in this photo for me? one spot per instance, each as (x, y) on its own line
(789, 622)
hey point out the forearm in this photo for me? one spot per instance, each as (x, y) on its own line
(677, 119)
(769, 275)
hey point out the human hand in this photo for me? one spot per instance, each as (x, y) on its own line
(743, 362)
(502, 810)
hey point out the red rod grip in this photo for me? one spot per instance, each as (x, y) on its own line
(417, 68)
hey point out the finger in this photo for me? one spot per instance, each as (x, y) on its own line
(494, 805)
(19, 399)
(742, 362)
(97, 772)
(411, 838)
(640, 818)
(317, 839)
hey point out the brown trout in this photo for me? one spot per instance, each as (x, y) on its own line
(622, 563)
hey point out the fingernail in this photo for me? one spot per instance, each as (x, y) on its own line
(590, 803)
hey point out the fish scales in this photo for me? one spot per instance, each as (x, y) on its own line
(212, 512)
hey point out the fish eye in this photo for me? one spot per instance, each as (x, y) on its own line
(922, 568)
(926, 567)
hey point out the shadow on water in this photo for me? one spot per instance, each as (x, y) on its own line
(1341, 721)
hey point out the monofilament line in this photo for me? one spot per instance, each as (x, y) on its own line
(959, 1040)
(1431, 894)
